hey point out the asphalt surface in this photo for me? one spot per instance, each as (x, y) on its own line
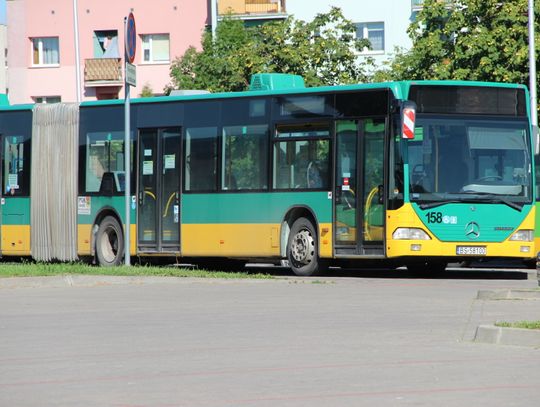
(363, 338)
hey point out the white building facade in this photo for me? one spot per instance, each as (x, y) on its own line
(383, 22)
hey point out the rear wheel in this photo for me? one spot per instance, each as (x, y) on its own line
(302, 249)
(109, 243)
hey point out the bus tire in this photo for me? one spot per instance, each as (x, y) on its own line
(109, 243)
(302, 249)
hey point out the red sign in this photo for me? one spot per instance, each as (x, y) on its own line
(408, 123)
(131, 38)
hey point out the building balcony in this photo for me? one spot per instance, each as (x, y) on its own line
(252, 9)
(103, 72)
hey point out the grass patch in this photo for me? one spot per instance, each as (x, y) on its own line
(520, 324)
(47, 269)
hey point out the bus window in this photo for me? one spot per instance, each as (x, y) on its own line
(16, 163)
(537, 174)
(303, 163)
(245, 157)
(303, 106)
(200, 159)
(461, 155)
(104, 153)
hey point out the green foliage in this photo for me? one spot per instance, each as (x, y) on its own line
(520, 324)
(323, 51)
(147, 91)
(485, 40)
(30, 269)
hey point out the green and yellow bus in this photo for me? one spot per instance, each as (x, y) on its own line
(413, 174)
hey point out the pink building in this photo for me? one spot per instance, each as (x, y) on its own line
(42, 47)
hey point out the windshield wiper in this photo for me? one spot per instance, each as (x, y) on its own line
(431, 205)
(490, 199)
(517, 206)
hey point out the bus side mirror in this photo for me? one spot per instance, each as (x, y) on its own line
(408, 119)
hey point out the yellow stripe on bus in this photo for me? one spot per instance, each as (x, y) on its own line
(250, 240)
(16, 240)
(237, 240)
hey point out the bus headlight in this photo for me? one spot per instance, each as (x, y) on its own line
(523, 235)
(410, 234)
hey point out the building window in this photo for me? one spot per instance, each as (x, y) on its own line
(106, 44)
(374, 32)
(45, 51)
(47, 99)
(155, 48)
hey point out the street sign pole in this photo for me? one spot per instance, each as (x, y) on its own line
(129, 55)
(532, 68)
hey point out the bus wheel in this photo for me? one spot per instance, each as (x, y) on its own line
(302, 249)
(109, 243)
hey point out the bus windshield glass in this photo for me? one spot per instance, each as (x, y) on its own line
(466, 159)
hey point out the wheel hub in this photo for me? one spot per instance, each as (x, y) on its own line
(302, 248)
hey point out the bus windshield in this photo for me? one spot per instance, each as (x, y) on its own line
(469, 159)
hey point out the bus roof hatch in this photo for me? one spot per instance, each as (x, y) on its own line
(275, 81)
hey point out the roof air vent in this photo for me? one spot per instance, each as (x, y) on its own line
(276, 81)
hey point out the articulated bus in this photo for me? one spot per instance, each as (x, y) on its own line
(414, 174)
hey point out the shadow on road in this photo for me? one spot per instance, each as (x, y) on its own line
(451, 273)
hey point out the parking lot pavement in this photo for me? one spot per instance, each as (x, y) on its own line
(331, 341)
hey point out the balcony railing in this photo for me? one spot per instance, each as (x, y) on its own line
(251, 7)
(103, 72)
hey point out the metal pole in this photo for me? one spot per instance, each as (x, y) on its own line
(213, 7)
(77, 51)
(532, 68)
(127, 159)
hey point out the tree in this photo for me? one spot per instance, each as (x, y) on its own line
(147, 91)
(323, 51)
(484, 40)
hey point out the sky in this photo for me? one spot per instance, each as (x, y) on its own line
(2, 11)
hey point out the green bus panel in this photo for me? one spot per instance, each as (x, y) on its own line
(451, 222)
(16, 211)
(90, 206)
(252, 207)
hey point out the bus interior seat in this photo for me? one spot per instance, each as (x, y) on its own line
(108, 185)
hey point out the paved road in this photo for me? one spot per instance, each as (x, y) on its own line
(346, 341)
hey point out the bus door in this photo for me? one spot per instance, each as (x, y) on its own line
(158, 218)
(359, 205)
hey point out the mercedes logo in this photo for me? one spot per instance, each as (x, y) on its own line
(472, 230)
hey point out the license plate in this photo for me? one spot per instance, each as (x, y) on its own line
(471, 250)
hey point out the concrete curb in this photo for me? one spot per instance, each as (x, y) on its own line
(507, 336)
(508, 295)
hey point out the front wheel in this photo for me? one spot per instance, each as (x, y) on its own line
(302, 249)
(109, 243)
